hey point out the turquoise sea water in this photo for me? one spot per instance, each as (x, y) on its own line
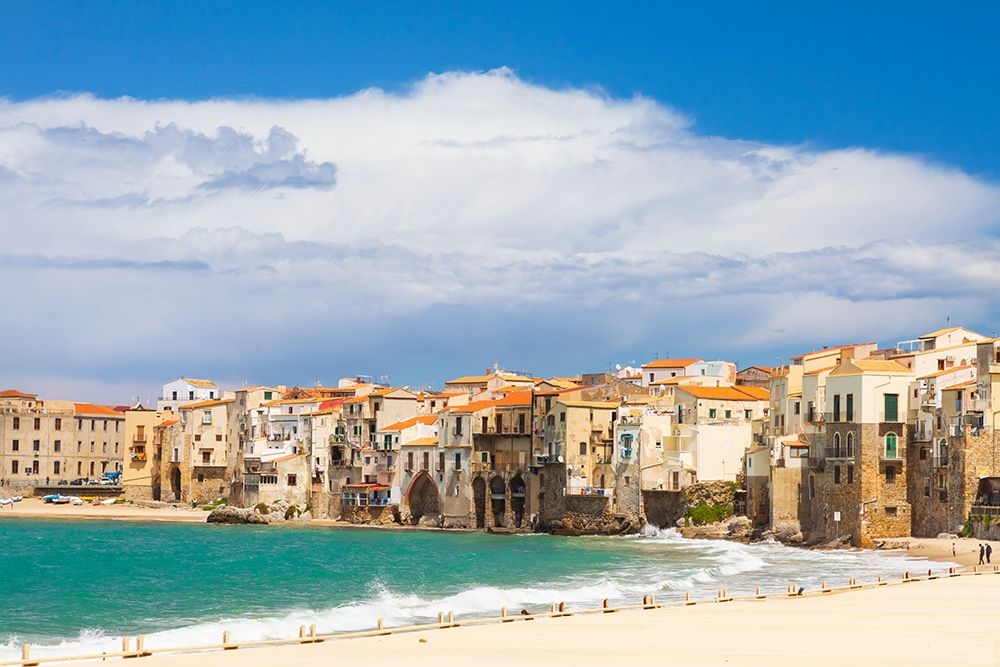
(69, 586)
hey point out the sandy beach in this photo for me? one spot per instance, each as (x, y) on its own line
(938, 622)
(35, 508)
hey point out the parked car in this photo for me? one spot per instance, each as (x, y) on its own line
(79, 481)
(62, 482)
(104, 481)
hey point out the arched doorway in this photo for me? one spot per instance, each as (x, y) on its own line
(517, 500)
(479, 498)
(175, 484)
(422, 497)
(156, 487)
(498, 501)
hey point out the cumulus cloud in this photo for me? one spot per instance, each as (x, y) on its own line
(472, 218)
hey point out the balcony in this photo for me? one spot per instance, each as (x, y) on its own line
(890, 417)
(139, 439)
(891, 455)
(840, 453)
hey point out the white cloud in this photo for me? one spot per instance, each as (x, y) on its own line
(425, 230)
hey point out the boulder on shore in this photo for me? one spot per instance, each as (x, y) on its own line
(236, 515)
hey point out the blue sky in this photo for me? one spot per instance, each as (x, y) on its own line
(422, 189)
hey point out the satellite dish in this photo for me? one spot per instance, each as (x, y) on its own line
(560, 459)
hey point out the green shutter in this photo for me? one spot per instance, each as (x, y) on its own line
(891, 408)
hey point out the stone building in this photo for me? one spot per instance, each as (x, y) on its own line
(141, 471)
(199, 464)
(755, 376)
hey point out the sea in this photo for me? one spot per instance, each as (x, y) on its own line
(72, 587)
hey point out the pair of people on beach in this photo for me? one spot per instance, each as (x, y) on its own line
(985, 551)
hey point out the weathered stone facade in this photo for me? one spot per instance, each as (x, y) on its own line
(663, 508)
(943, 487)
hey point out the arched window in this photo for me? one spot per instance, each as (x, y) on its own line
(943, 451)
(891, 446)
(836, 445)
(850, 445)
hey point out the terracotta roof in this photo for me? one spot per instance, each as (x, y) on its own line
(939, 332)
(469, 379)
(166, 424)
(962, 385)
(206, 404)
(820, 370)
(948, 371)
(14, 393)
(195, 382)
(420, 442)
(413, 421)
(671, 363)
(513, 399)
(554, 392)
(292, 401)
(91, 409)
(562, 383)
(597, 405)
(741, 393)
(860, 366)
(766, 369)
(835, 348)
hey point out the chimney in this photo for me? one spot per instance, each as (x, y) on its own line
(846, 353)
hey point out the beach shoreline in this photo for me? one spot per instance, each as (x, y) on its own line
(937, 550)
(932, 620)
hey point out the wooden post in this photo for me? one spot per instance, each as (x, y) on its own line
(312, 631)
(379, 624)
(302, 632)
(562, 607)
(451, 617)
(26, 660)
(140, 645)
(440, 617)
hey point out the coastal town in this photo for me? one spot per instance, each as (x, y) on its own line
(851, 442)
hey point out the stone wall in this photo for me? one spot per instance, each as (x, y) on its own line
(208, 484)
(942, 495)
(758, 500)
(663, 508)
(983, 531)
(564, 514)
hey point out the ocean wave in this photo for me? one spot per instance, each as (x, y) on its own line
(664, 564)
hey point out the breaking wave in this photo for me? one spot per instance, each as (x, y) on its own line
(661, 563)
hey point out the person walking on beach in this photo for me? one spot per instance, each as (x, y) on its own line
(989, 552)
(953, 552)
(982, 553)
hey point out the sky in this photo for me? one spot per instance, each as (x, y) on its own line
(294, 192)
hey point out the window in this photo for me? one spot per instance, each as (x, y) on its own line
(836, 407)
(427, 461)
(409, 461)
(651, 376)
(458, 426)
(206, 417)
(104, 447)
(105, 424)
(890, 511)
(92, 450)
(57, 446)
(292, 480)
(891, 412)
(440, 461)
(796, 407)
(36, 445)
(712, 412)
(850, 407)
(15, 445)
(458, 460)
(201, 477)
(55, 467)
(38, 424)
(836, 474)
(520, 422)
(562, 417)
(812, 486)
(747, 414)
(17, 423)
(273, 479)
(891, 446)
(850, 474)
(923, 453)
(197, 437)
(583, 449)
(91, 468)
(729, 414)
(890, 475)
(798, 452)
(190, 395)
(79, 467)
(850, 445)
(548, 404)
(13, 467)
(267, 395)
(93, 424)
(218, 437)
(836, 445)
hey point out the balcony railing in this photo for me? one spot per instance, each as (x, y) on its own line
(891, 455)
(839, 453)
(985, 510)
(890, 417)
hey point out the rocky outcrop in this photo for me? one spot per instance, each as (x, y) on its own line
(585, 524)
(236, 515)
(736, 529)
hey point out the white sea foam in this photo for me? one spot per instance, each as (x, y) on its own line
(679, 564)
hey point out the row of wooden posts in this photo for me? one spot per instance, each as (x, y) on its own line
(308, 634)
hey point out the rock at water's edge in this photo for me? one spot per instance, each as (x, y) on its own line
(236, 515)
